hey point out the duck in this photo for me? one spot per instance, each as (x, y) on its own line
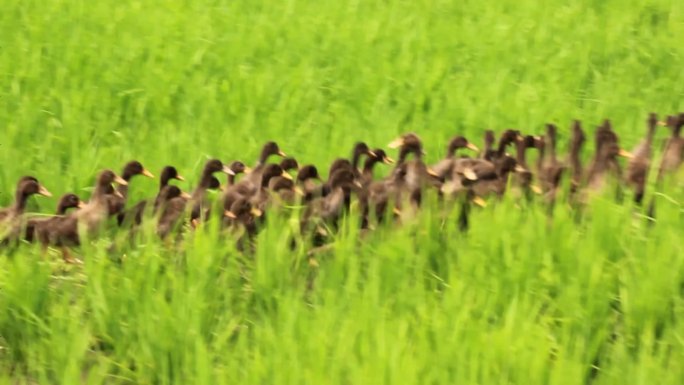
(243, 216)
(130, 170)
(238, 168)
(26, 187)
(35, 226)
(508, 137)
(605, 163)
(640, 163)
(306, 180)
(269, 149)
(285, 190)
(200, 203)
(366, 179)
(523, 178)
(246, 188)
(674, 148)
(289, 164)
(575, 157)
(171, 208)
(11, 218)
(65, 231)
(135, 214)
(418, 176)
(443, 168)
(329, 209)
(261, 197)
(383, 193)
(487, 178)
(488, 152)
(551, 169)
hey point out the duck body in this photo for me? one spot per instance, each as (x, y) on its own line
(639, 165)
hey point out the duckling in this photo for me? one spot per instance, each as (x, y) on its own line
(605, 159)
(444, 167)
(674, 147)
(172, 204)
(574, 158)
(639, 165)
(11, 218)
(130, 170)
(488, 182)
(200, 207)
(39, 225)
(135, 214)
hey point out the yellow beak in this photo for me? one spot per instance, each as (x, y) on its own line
(396, 143)
(247, 170)
(185, 195)
(473, 147)
(120, 180)
(625, 154)
(228, 170)
(180, 178)
(256, 212)
(387, 160)
(81, 204)
(147, 173)
(44, 192)
(480, 202)
(229, 214)
(281, 153)
(286, 175)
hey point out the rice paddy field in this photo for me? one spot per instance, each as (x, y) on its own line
(521, 298)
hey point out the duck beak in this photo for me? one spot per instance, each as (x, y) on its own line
(432, 172)
(536, 189)
(387, 160)
(299, 191)
(119, 180)
(118, 194)
(519, 168)
(228, 170)
(662, 123)
(358, 184)
(396, 143)
(247, 170)
(286, 175)
(480, 202)
(256, 212)
(185, 195)
(81, 204)
(370, 153)
(229, 214)
(625, 154)
(469, 174)
(43, 191)
(281, 153)
(473, 147)
(180, 178)
(147, 173)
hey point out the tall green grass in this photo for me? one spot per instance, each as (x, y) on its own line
(519, 299)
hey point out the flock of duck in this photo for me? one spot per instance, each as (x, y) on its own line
(243, 201)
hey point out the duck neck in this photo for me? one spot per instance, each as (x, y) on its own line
(20, 200)
(520, 148)
(356, 158)
(61, 208)
(163, 181)
(368, 167)
(404, 153)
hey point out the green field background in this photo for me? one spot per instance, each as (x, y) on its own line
(520, 300)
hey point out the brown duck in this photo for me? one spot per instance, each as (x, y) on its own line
(674, 147)
(640, 163)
